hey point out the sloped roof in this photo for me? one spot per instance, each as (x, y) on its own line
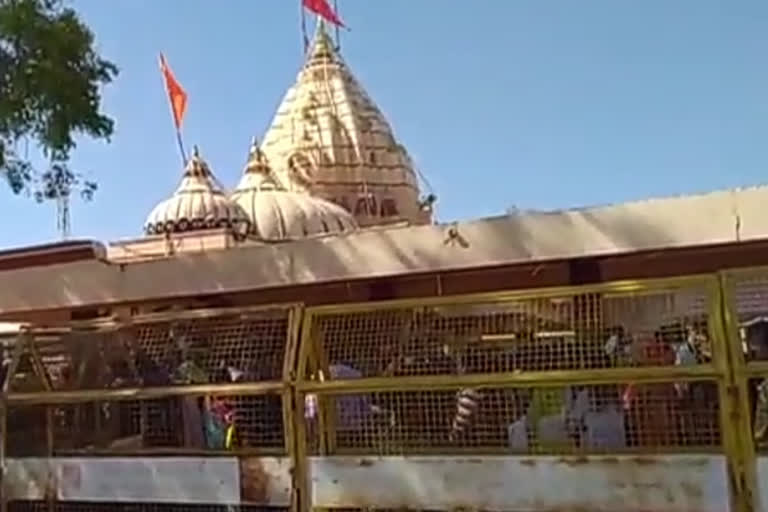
(677, 222)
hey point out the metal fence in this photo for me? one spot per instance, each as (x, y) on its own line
(185, 411)
(644, 395)
(615, 394)
(746, 319)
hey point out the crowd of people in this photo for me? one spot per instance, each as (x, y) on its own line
(604, 417)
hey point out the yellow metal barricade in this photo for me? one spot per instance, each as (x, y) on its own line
(616, 397)
(190, 410)
(608, 397)
(746, 317)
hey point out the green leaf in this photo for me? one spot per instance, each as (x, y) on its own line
(50, 82)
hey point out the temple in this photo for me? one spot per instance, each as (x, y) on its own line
(328, 137)
(313, 339)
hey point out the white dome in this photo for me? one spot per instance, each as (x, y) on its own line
(278, 214)
(197, 204)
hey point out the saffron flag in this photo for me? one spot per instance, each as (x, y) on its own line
(176, 94)
(323, 9)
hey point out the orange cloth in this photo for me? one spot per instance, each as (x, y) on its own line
(176, 94)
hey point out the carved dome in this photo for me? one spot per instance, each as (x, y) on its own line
(198, 203)
(279, 214)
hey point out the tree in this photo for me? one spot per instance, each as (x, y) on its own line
(50, 79)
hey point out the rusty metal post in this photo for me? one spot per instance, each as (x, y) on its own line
(18, 351)
(734, 395)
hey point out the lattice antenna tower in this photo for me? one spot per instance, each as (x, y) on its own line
(62, 215)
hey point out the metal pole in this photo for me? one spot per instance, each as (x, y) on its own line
(181, 148)
(338, 32)
(18, 350)
(304, 26)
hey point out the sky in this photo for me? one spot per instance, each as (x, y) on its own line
(532, 104)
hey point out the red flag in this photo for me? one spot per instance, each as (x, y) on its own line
(323, 9)
(176, 94)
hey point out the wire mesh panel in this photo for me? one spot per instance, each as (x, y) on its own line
(666, 416)
(43, 506)
(568, 332)
(187, 411)
(27, 432)
(239, 348)
(749, 296)
(176, 423)
(91, 385)
(558, 344)
(236, 347)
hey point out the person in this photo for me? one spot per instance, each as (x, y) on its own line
(652, 409)
(756, 334)
(352, 411)
(218, 423)
(190, 372)
(602, 419)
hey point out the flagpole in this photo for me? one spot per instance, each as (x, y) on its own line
(338, 34)
(304, 26)
(181, 148)
(176, 122)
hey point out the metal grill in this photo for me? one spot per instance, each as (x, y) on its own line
(173, 424)
(253, 349)
(749, 294)
(103, 374)
(750, 300)
(42, 506)
(574, 419)
(241, 348)
(758, 403)
(592, 372)
(573, 332)
(381, 509)
(26, 432)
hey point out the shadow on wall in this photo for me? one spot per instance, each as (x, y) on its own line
(382, 252)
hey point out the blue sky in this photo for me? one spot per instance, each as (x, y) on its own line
(532, 103)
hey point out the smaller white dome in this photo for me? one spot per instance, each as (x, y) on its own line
(278, 214)
(198, 203)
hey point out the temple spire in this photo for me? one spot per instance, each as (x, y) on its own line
(329, 138)
(257, 162)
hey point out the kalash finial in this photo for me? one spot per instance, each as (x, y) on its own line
(257, 161)
(196, 166)
(254, 151)
(322, 47)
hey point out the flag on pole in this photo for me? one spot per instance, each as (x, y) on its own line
(323, 9)
(176, 94)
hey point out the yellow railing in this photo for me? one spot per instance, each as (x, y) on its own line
(651, 374)
(746, 319)
(465, 375)
(175, 388)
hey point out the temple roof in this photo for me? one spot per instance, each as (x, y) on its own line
(722, 217)
(198, 203)
(279, 214)
(330, 138)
